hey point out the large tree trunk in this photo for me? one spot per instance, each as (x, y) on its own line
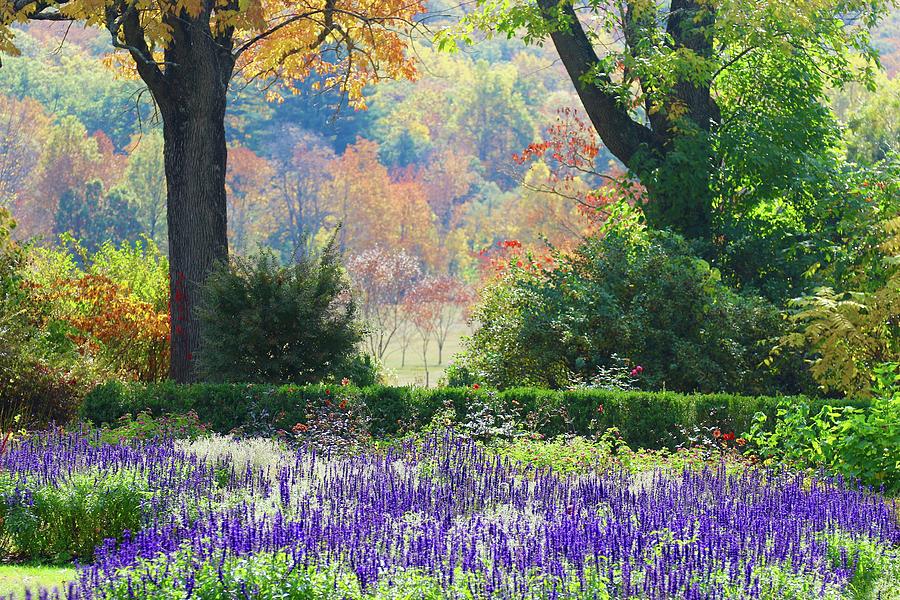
(190, 87)
(198, 236)
(193, 111)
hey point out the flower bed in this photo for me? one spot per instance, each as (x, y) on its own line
(445, 518)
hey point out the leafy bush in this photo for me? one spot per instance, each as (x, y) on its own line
(105, 321)
(645, 419)
(139, 267)
(850, 332)
(362, 370)
(97, 316)
(338, 423)
(609, 452)
(859, 443)
(267, 323)
(30, 387)
(145, 427)
(62, 522)
(39, 393)
(641, 295)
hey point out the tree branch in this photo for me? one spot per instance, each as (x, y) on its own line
(53, 16)
(127, 20)
(620, 133)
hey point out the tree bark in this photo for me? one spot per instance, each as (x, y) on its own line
(198, 235)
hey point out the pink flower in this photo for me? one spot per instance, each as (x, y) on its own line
(345, 381)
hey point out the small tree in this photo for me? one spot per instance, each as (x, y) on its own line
(405, 336)
(447, 298)
(422, 316)
(267, 323)
(382, 279)
(435, 305)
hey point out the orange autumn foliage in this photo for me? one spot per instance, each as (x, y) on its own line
(375, 209)
(130, 336)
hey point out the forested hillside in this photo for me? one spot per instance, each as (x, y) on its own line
(83, 153)
(427, 168)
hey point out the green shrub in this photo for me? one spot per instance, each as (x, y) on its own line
(41, 394)
(267, 323)
(145, 426)
(29, 386)
(362, 369)
(641, 295)
(69, 320)
(139, 267)
(645, 419)
(859, 443)
(276, 576)
(62, 522)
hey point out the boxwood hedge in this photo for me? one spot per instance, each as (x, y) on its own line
(645, 419)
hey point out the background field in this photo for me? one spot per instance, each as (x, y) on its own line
(413, 373)
(14, 579)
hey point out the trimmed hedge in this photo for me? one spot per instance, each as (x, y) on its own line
(645, 419)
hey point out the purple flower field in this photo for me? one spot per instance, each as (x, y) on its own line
(447, 518)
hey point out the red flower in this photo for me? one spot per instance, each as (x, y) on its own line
(717, 433)
(600, 409)
(299, 428)
(728, 437)
(327, 392)
(345, 381)
(343, 404)
(475, 386)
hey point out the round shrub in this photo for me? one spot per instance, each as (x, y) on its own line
(632, 293)
(263, 322)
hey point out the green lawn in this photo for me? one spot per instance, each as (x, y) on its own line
(15, 578)
(414, 370)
